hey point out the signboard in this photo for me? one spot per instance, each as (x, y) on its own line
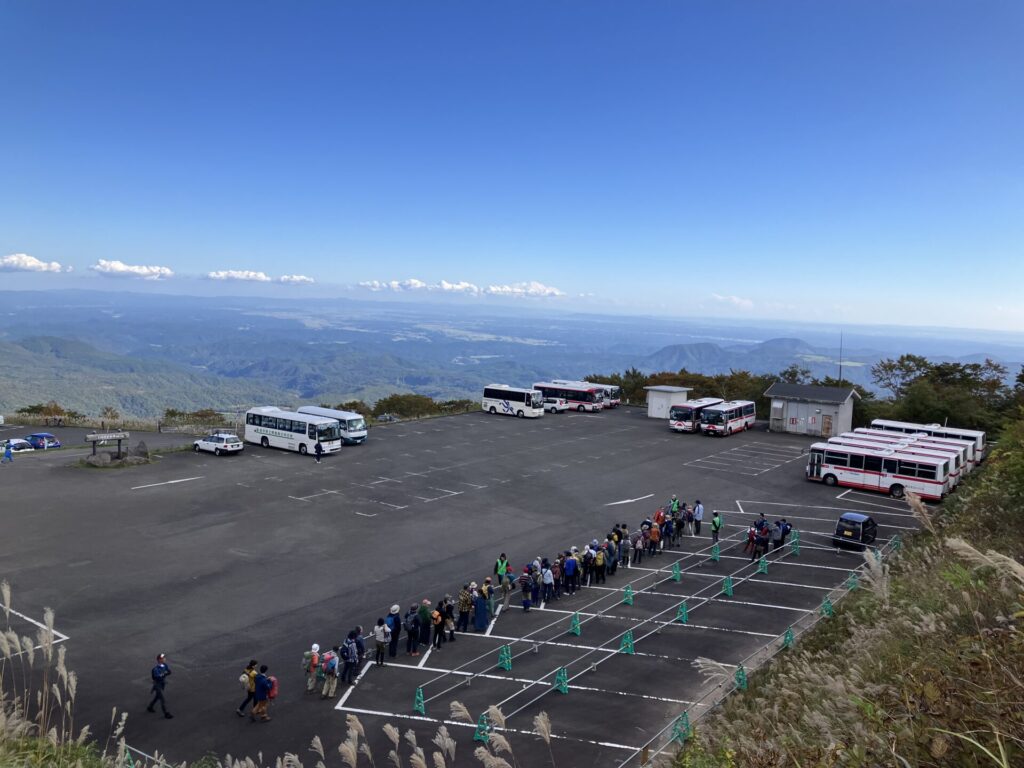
(98, 436)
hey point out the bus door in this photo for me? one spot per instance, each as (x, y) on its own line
(814, 465)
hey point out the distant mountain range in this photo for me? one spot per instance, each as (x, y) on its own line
(143, 354)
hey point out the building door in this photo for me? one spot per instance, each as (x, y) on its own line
(826, 425)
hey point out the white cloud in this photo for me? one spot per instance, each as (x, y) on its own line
(531, 289)
(736, 301)
(120, 269)
(244, 275)
(22, 262)
(296, 279)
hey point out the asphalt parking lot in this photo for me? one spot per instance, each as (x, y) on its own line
(213, 560)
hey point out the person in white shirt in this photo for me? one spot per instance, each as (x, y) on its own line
(382, 636)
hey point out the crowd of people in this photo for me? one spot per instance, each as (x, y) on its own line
(432, 625)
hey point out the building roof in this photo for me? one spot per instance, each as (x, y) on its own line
(666, 388)
(810, 393)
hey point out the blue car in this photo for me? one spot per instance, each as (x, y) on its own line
(42, 440)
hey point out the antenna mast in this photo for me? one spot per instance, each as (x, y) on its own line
(840, 358)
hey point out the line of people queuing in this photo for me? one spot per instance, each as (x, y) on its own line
(544, 579)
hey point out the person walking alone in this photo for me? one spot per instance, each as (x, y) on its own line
(248, 681)
(160, 673)
(716, 526)
(8, 454)
(311, 665)
(698, 517)
(319, 450)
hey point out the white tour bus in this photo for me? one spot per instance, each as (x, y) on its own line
(271, 427)
(351, 425)
(964, 447)
(612, 393)
(512, 401)
(935, 430)
(579, 396)
(685, 417)
(728, 417)
(887, 471)
(908, 447)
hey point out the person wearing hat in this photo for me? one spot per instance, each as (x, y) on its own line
(488, 590)
(394, 621)
(448, 612)
(160, 673)
(310, 665)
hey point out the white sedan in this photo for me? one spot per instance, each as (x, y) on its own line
(219, 443)
(17, 444)
(555, 405)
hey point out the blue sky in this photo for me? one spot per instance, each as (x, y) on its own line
(843, 161)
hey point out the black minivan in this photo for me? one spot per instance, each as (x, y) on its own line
(855, 530)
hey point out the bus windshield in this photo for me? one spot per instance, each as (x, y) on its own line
(355, 425)
(711, 417)
(328, 432)
(681, 414)
(536, 399)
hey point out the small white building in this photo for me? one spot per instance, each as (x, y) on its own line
(661, 398)
(807, 409)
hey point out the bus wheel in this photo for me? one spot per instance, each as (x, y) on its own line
(520, 414)
(896, 491)
(302, 449)
(493, 409)
(580, 408)
(264, 442)
(830, 480)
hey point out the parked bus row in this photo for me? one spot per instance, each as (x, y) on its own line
(551, 396)
(712, 416)
(300, 430)
(935, 430)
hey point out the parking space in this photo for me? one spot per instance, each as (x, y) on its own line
(214, 560)
(749, 458)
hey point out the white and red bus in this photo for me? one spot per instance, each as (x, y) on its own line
(579, 396)
(935, 430)
(685, 417)
(967, 447)
(905, 446)
(612, 393)
(728, 417)
(886, 471)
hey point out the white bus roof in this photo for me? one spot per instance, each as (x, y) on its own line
(570, 384)
(727, 404)
(929, 427)
(273, 410)
(886, 453)
(907, 446)
(330, 413)
(700, 402)
(511, 388)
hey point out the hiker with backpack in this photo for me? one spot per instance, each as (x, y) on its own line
(437, 627)
(689, 520)
(311, 666)
(329, 673)
(350, 658)
(448, 613)
(465, 606)
(547, 580)
(426, 624)
(526, 588)
(600, 564)
(411, 623)
(569, 568)
(265, 690)
(248, 682)
(777, 535)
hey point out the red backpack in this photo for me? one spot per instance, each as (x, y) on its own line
(272, 693)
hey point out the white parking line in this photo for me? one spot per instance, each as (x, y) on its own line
(168, 482)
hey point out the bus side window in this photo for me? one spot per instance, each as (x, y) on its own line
(891, 466)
